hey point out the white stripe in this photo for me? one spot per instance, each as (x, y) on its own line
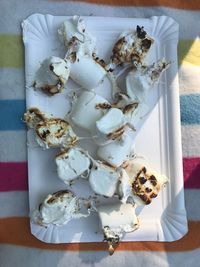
(189, 79)
(191, 140)
(14, 204)
(12, 146)
(186, 19)
(192, 203)
(12, 83)
(21, 256)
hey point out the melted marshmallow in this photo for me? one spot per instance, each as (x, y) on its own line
(139, 81)
(111, 126)
(72, 164)
(103, 179)
(75, 29)
(58, 208)
(116, 152)
(84, 111)
(52, 75)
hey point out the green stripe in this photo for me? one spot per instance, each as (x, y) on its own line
(12, 51)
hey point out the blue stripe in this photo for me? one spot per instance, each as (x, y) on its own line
(190, 109)
(11, 113)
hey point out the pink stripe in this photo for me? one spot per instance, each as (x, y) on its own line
(13, 176)
(191, 170)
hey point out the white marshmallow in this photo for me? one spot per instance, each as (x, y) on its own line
(87, 72)
(52, 75)
(116, 220)
(103, 179)
(84, 111)
(118, 217)
(124, 190)
(72, 164)
(116, 152)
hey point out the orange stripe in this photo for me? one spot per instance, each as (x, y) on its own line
(16, 231)
(180, 4)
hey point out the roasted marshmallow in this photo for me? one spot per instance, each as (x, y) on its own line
(140, 80)
(33, 116)
(126, 104)
(58, 209)
(103, 179)
(142, 184)
(75, 36)
(72, 164)
(50, 132)
(132, 47)
(85, 110)
(81, 46)
(117, 152)
(55, 133)
(52, 75)
(116, 220)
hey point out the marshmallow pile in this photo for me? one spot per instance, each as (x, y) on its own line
(117, 172)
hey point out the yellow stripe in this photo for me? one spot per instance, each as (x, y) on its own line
(16, 231)
(189, 52)
(12, 52)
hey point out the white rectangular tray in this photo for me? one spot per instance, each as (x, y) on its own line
(159, 138)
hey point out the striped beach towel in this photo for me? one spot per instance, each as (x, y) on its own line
(17, 246)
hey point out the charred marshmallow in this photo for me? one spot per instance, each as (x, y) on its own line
(33, 116)
(132, 47)
(55, 133)
(142, 183)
